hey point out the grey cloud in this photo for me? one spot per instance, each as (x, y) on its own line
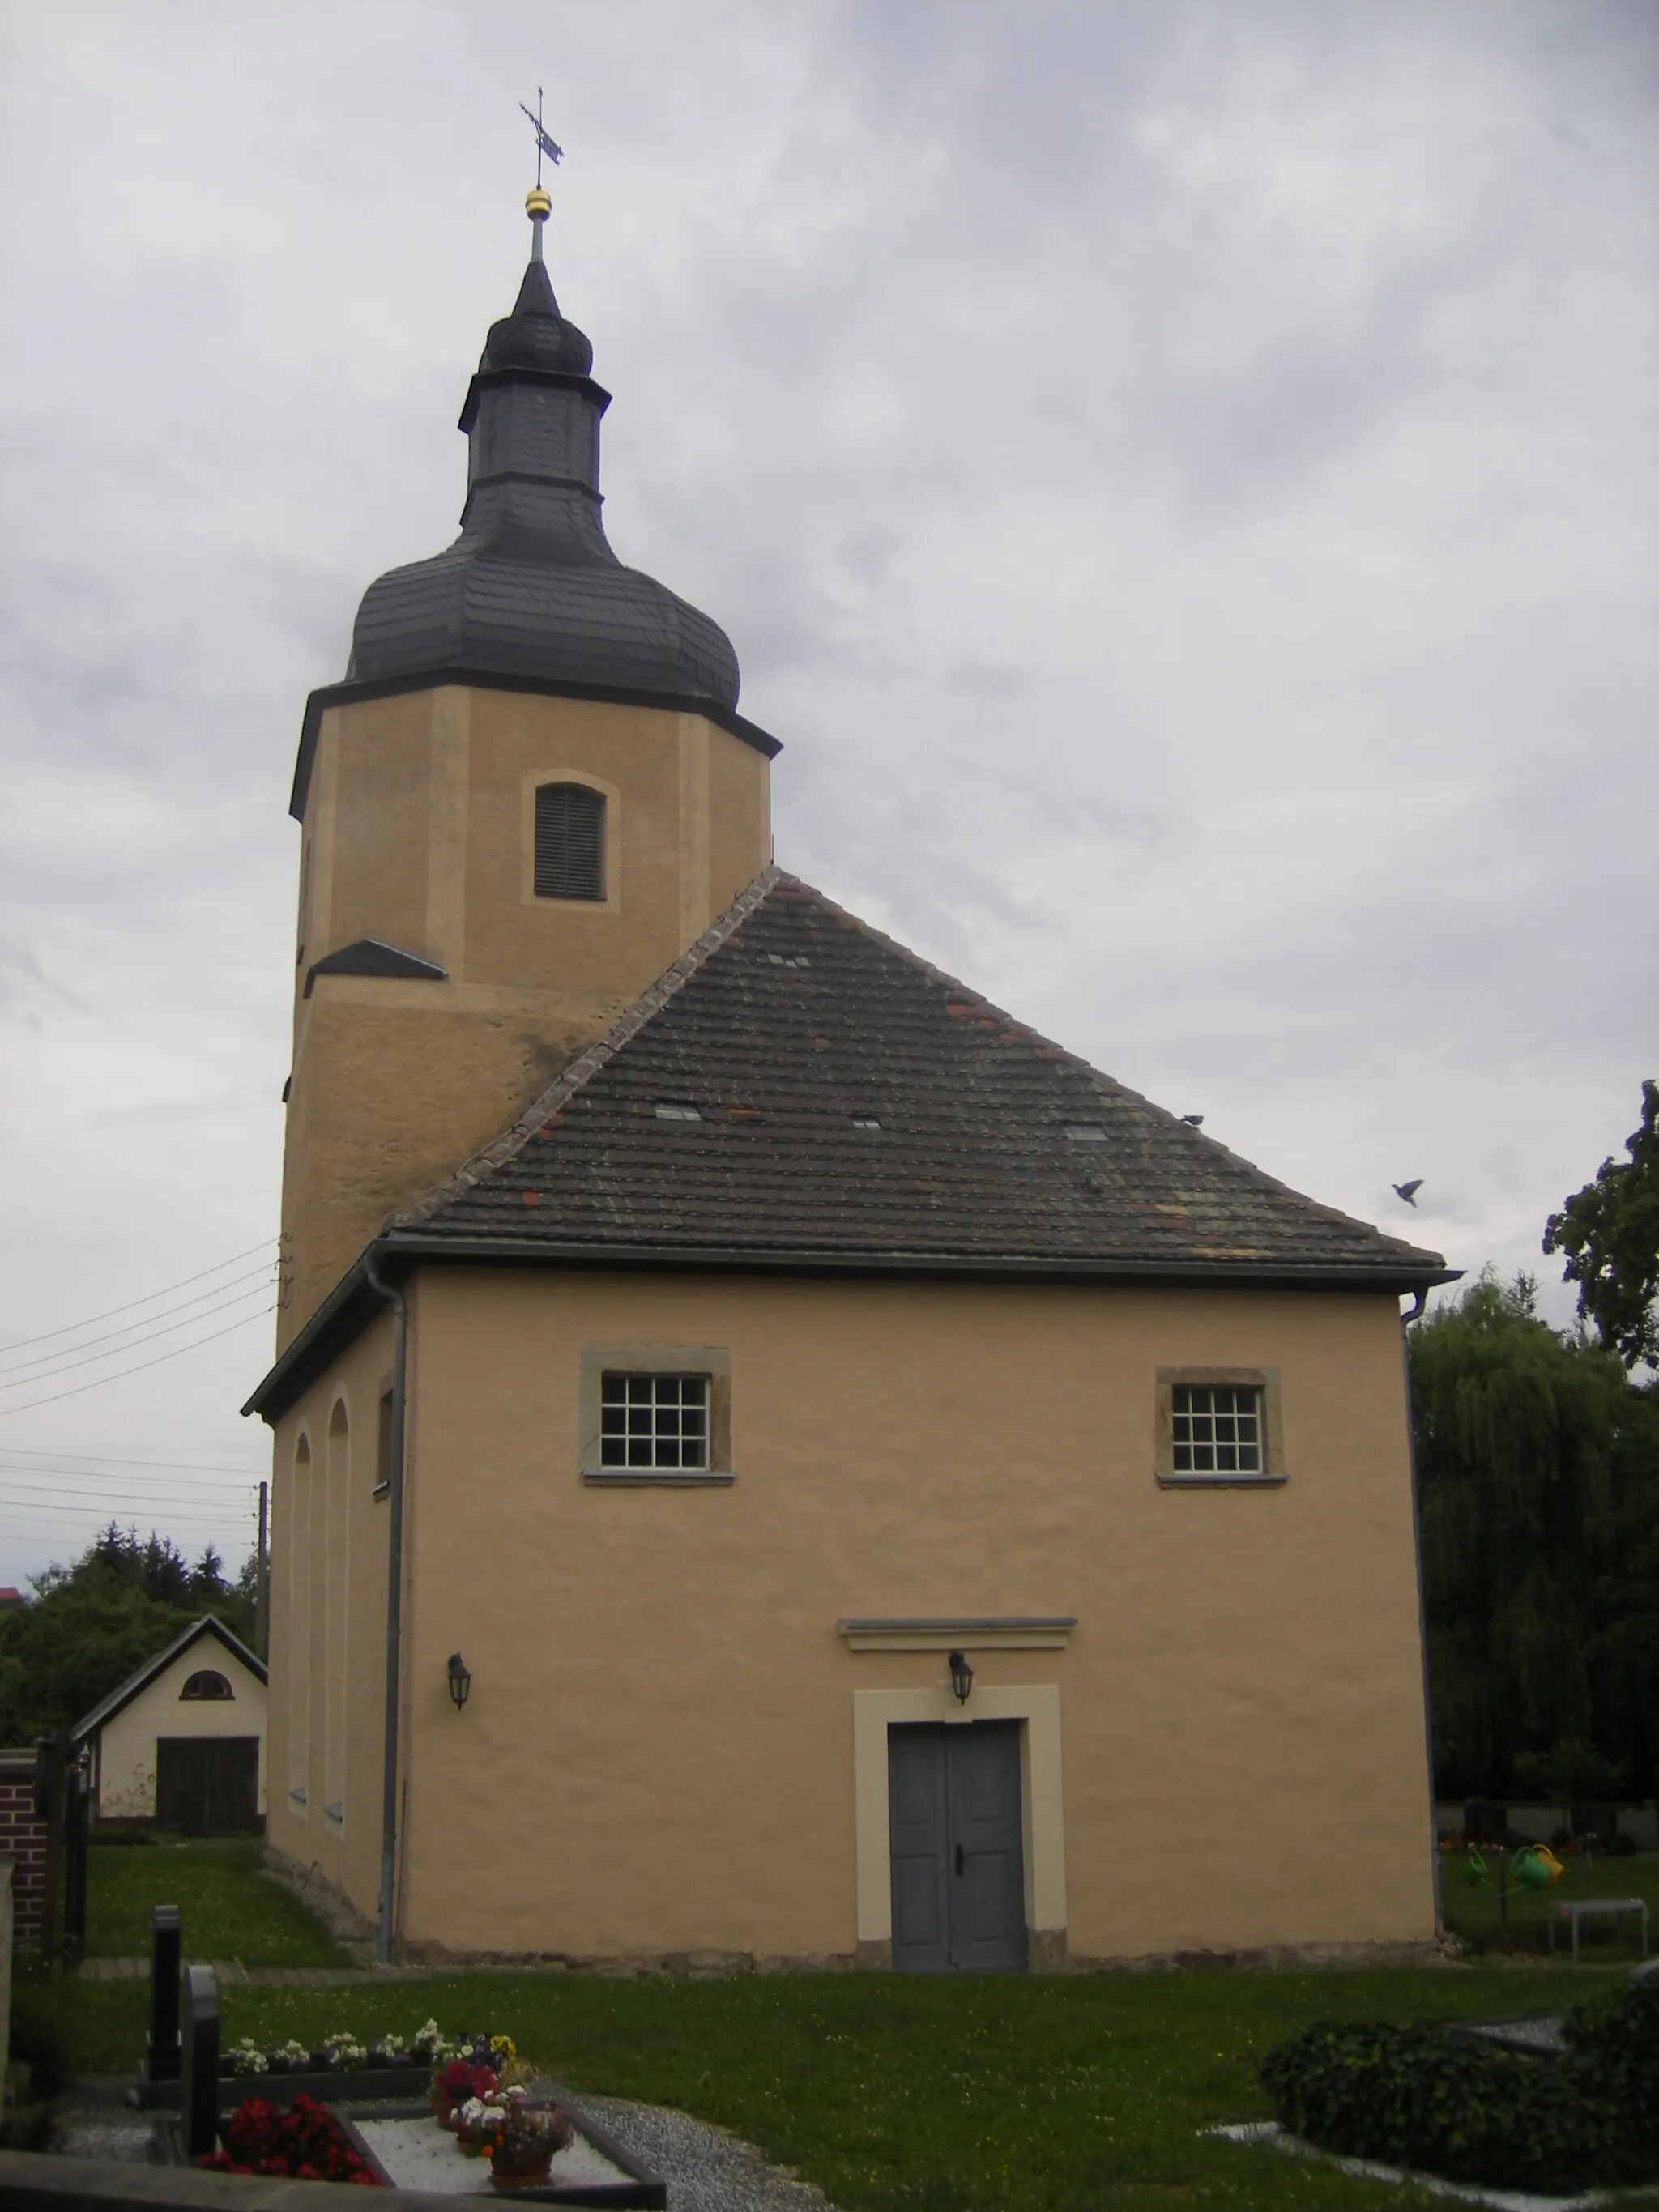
(1181, 481)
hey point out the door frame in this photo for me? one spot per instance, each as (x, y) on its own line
(1043, 1818)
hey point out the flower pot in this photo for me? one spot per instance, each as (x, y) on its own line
(506, 2174)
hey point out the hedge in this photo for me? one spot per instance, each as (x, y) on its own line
(1452, 2104)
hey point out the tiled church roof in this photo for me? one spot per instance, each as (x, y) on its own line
(728, 1112)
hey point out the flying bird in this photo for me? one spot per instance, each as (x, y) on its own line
(1408, 1190)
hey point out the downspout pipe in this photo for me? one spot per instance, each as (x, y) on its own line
(394, 1604)
(1414, 1312)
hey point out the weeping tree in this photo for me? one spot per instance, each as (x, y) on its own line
(1538, 1467)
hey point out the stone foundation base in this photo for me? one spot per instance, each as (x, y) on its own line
(1048, 1951)
(693, 1965)
(344, 1921)
(1271, 1958)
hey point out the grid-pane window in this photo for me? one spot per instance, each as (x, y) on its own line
(1217, 1428)
(654, 1421)
(569, 841)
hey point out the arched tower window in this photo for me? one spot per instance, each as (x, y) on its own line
(569, 841)
(206, 1683)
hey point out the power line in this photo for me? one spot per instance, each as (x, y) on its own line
(95, 1459)
(149, 1298)
(178, 1353)
(101, 1516)
(23, 1493)
(170, 1328)
(26, 1471)
(43, 1358)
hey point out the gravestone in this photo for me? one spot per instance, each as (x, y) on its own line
(1596, 1824)
(198, 2070)
(162, 2043)
(1484, 1824)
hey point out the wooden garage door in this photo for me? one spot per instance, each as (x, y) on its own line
(207, 1785)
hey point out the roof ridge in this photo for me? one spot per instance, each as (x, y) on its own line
(587, 1063)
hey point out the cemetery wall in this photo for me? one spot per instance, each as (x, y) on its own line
(23, 1841)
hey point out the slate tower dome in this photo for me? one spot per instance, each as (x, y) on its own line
(531, 587)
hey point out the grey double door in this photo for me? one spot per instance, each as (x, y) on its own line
(953, 1798)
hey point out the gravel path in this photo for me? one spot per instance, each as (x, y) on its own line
(706, 2169)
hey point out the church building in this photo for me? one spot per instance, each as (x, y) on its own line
(776, 1461)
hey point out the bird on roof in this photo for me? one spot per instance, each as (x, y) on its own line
(1193, 1121)
(1408, 1190)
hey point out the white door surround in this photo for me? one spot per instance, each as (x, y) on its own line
(1035, 1704)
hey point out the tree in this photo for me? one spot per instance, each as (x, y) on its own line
(90, 1626)
(1538, 1470)
(1609, 1231)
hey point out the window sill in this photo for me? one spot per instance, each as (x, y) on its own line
(335, 1813)
(1222, 1481)
(297, 1797)
(654, 1477)
(381, 1489)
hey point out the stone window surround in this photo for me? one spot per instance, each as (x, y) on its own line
(1273, 1472)
(1036, 1706)
(711, 1360)
(529, 785)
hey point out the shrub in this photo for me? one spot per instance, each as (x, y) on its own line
(1615, 2040)
(1452, 2104)
(38, 2040)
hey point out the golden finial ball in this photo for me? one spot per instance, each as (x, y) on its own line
(537, 204)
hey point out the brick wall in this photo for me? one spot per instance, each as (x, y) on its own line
(22, 1840)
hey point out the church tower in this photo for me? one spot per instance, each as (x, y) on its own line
(531, 794)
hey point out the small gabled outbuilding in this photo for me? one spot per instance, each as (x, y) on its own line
(182, 1741)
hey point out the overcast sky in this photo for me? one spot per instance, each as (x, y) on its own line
(1180, 477)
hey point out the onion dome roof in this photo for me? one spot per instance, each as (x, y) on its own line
(531, 588)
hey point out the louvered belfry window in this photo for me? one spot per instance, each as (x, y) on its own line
(569, 841)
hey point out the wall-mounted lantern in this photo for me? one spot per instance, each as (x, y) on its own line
(962, 1675)
(461, 1679)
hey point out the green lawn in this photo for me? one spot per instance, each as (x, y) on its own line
(894, 2094)
(1472, 1911)
(231, 1907)
(899, 2094)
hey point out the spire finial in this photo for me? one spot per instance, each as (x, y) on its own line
(538, 205)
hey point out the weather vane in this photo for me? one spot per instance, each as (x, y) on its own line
(554, 152)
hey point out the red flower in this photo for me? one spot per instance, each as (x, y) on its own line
(305, 2142)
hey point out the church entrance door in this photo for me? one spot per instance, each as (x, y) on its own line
(953, 1797)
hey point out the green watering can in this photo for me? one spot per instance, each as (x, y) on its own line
(1535, 1866)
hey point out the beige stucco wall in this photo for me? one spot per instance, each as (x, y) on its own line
(124, 1754)
(658, 1754)
(418, 832)
(344, 1845)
